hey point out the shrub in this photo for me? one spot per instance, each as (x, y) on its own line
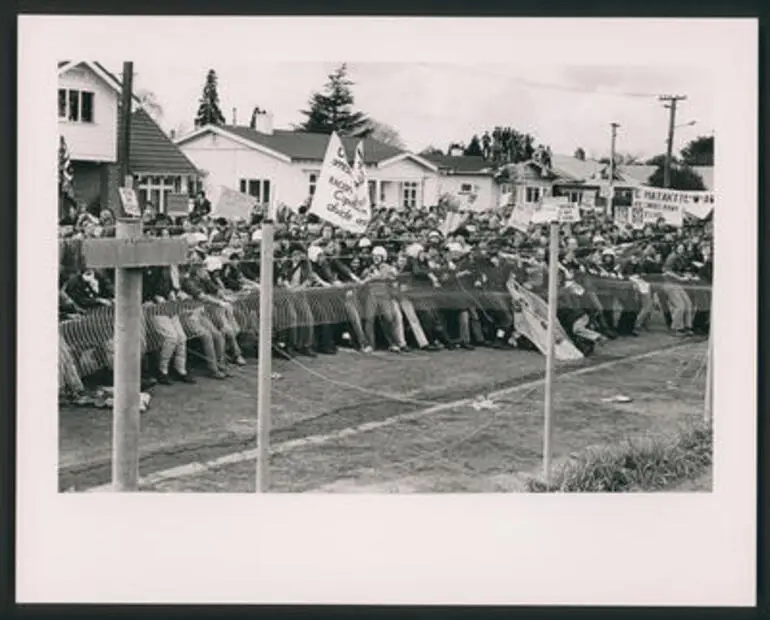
(647, 464)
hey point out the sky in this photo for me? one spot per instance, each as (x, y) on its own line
(431, 103)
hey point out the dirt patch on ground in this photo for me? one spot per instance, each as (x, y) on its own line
(470, 449)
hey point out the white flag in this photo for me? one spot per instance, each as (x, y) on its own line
(336, 199)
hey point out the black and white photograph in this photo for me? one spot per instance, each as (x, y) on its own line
(442, 275)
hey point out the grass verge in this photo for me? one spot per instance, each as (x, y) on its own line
(648, 464)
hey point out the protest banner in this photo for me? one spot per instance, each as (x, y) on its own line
(672, 204)
(532, 322)
(362, 195)
(452, 221)
(521, 216)
(336, 199)
(568, 213)
(588, 200)
(622, 215)
(547, 210)
(177, 204)
(233, 205)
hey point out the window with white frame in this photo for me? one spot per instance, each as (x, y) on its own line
(312, 183)
(76, 105)
(156, 189)
(574, 196)
(532, 194)
(409, 194)
(259, 188)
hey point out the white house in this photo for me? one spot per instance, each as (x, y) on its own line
(282, 166)
(468, 178)
(88, 112)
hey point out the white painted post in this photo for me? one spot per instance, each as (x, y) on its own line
(553, 277)
(265, 351)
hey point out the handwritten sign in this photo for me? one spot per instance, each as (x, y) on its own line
(588, 200)
(233, 205)
(134, 252)
(129, 201)
(555, 209)
(177, 204)
(521, 216)
(341, 197)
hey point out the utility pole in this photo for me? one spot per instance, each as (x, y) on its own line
(614, 129)
(671, 106)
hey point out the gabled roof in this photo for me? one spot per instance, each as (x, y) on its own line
(107, 76)
(302, 146)
(574, 169)
(152, 151)
(462, 164)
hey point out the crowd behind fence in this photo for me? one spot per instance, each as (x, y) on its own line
(400, 286)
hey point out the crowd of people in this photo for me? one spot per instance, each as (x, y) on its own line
(407, 283)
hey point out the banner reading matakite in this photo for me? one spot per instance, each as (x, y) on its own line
(671, 204)
(336, 199)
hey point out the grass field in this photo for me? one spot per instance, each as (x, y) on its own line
(456, 448)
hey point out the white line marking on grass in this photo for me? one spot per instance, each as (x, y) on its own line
(191, 469)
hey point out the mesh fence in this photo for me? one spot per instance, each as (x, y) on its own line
(395, 310)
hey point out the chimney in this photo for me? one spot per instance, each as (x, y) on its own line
(264, 122)
(455, 151)
(235, 116)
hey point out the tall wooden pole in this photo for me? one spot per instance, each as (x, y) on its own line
(553, 277)
(265, 351)
(672, 99)
(128, 327)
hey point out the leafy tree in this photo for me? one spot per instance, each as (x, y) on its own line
(332, 109)
(682, 178)
(660, 160)
(208, 107)
(149, 101)
(580, 154)
(382, 132)
(699, 152)
(431, 150)
(474, 148)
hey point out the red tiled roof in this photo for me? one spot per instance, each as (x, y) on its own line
(153, 151)
(300, 145)
(464, 164)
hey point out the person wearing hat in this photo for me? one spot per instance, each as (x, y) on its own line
(378, 302)
(295, 274)
(212, 291)
(680, 304)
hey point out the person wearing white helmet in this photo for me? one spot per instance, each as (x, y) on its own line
(378, 299)
(223, 312)
(403, 305)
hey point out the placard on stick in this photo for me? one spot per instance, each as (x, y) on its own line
(129, 201)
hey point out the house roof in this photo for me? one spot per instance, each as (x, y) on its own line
(574, 169)
(463, 164)
(110, 78)
(299, 145)
(153, 151)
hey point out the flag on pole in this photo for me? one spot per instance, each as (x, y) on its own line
(363, 199)
(337, 199)
(65, 168)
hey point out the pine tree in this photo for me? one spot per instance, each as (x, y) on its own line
(474, 147)
(208, 108)
(332, 109)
